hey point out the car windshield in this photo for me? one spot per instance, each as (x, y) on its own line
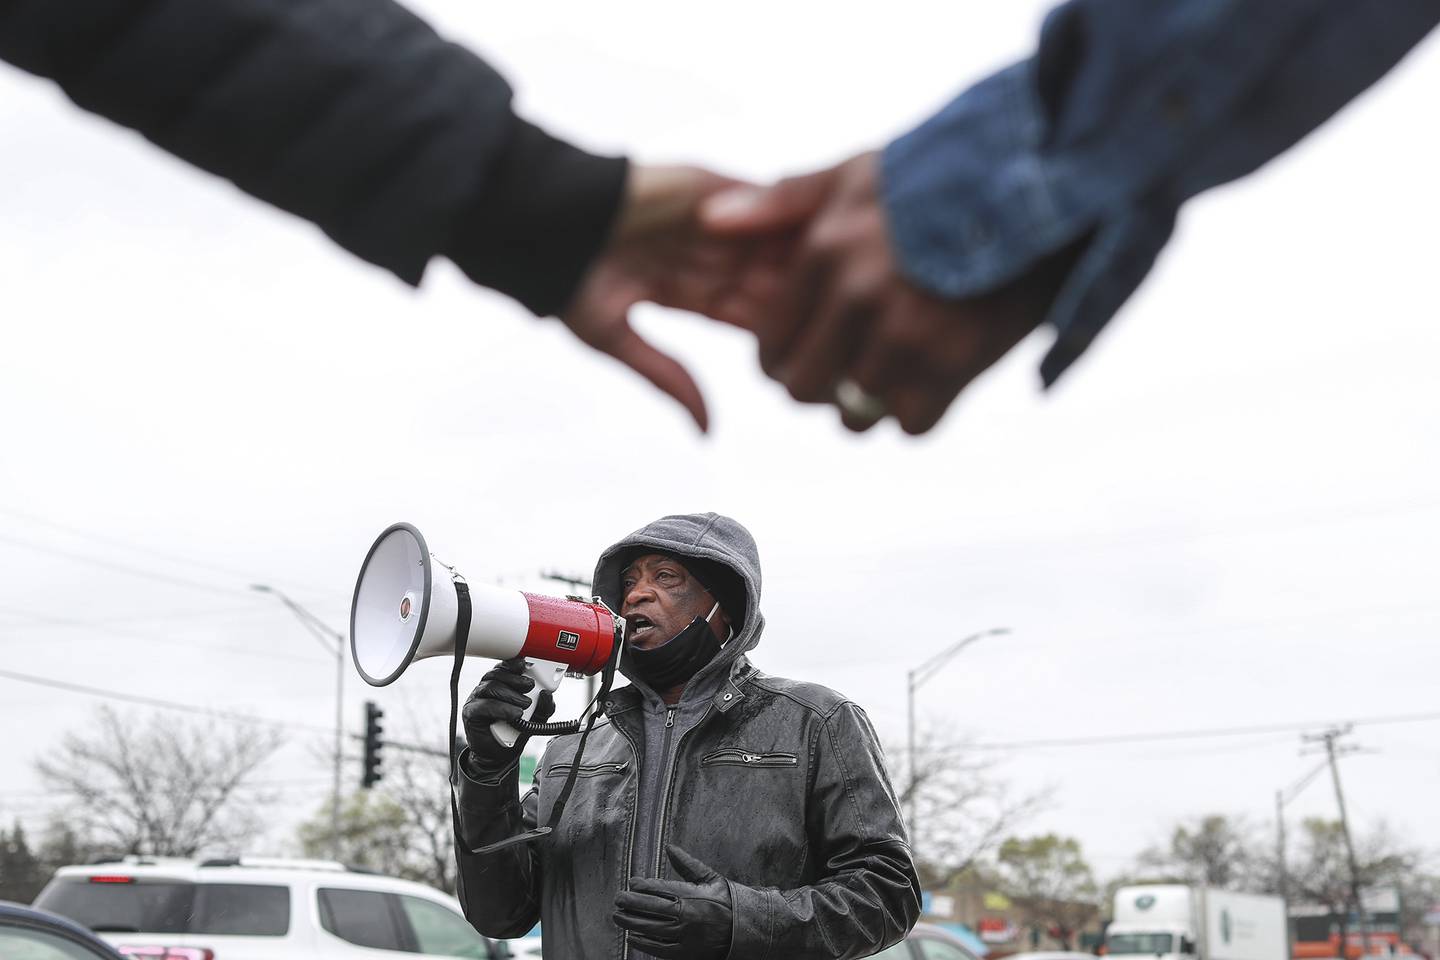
(171, 906)
(1131, 943)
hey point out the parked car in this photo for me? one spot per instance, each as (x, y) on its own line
(524, 947)
(928, 942)
(260, 909)
(30, 934)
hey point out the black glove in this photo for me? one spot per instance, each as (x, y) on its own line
(691, 918)
(502, 694)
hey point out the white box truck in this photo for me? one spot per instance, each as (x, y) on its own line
(1178, 922)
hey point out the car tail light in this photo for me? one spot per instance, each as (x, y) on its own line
(167, 953)
(111, 878)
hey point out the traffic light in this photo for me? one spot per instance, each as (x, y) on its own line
(373, 743)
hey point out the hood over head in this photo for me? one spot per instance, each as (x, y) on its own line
(729, 567)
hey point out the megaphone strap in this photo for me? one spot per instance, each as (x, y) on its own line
(607, 678)
(462, 636)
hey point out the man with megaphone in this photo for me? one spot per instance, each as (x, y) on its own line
(716, 812)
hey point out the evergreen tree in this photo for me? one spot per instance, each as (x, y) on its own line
(21, 875)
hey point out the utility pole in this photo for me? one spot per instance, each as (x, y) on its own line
(326, 636)
(913, 679)
(1283, 797)
(1328, 738)
(1280, 859)
(579, 587)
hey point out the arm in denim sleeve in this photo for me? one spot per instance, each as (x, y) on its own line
(1127, 109)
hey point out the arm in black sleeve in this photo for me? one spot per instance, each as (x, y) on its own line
(499, 892)
(353, 114)
(867, 895)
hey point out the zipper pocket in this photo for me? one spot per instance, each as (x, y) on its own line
(589, 769)
(744, 759)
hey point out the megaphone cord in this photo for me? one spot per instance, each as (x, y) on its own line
(559, 727)
(546, 729)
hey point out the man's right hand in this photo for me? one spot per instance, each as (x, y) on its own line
(502, 694)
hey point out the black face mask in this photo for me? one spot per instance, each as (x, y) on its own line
(676, 660)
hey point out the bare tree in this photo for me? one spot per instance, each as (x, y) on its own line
(963, 808)
(157, 786)
(401, 827)
(1321, 872)
(373, 833)
(1213, 850)
(1050, 879)
(422, 789)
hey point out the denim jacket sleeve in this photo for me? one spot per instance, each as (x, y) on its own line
(1127, 109)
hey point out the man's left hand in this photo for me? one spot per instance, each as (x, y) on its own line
(690, 918)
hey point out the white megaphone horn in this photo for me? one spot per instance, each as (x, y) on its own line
(405, 609)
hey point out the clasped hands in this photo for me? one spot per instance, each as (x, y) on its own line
(808, 267)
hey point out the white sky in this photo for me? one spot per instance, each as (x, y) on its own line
(1224, 515)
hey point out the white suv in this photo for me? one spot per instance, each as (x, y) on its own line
(261, 909)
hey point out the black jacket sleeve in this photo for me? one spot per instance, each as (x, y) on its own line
(499, 892)
(353, 114)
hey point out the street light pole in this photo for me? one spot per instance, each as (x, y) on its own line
(913, 679)
(324, 635)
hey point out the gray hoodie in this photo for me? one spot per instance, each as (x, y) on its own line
(713, 537)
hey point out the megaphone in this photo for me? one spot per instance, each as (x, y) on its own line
(405, 608)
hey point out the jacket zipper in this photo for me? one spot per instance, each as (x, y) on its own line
(669, 778)
(664, 790)
(589, 770)
(740, 757)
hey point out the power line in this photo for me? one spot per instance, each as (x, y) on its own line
(136, 548)
(124, 568)
(154, 701)
(296, 783)
(149, 637)
(223, 613)
(1196, 734)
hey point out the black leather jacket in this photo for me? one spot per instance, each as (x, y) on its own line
(778, 785)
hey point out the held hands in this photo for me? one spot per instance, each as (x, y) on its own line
(691, 917)
(806, 265)
(841, 325)
(502, 694)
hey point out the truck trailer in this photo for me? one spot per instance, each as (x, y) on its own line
(1179, 922)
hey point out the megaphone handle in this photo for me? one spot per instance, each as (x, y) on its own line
(547, 676)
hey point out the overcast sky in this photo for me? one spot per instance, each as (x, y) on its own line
(1225, 515)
